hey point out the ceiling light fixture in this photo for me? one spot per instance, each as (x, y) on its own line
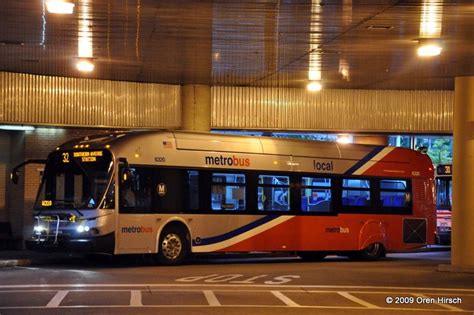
(17, 127)
(60, 6)
(429, 47)
(85, 65)
(314, 86)
(344, 139)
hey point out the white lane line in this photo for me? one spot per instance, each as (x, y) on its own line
(211, 298)
(57, 299)
(168, 285)
(357, 300)
(231, 290)
(447, 306)
(428, 311)
(136, 298)
(285, 299)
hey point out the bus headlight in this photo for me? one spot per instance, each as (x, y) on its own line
(38, 229)
(82, 228)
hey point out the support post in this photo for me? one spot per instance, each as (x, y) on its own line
(462, 234)
(196, 107)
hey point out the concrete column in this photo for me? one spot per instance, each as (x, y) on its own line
(196, 107)
(462, 235)
(370, 139)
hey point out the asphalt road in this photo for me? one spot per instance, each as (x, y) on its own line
(210, 285)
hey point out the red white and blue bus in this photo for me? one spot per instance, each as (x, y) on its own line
(444, 200)
(174, 193)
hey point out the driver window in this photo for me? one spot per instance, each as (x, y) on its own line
(137, 194)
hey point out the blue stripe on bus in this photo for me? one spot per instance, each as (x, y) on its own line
(364, 160)
(231, 234)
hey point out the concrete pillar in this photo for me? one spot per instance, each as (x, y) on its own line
(196, 107)
(370, 139)
(462, 235)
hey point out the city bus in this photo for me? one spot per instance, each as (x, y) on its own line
(444, 200)
(172, 194)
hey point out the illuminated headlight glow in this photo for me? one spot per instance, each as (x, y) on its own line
(38, 228)
(82, 228)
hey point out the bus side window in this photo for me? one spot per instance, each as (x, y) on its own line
(394, 193)
(192, 189)
(356, 192)
(228, 191)
(316, 194)
(273, 193)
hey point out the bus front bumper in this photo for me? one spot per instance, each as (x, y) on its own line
(98, 244)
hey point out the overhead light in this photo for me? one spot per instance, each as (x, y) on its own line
(85, 65)
(344, 139)
(17, 127)
(60, 6)
(429, 50)
(429, 47)
(314, 86)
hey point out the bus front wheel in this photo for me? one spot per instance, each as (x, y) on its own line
(174, 246)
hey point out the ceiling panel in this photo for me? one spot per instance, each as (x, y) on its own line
(346, 43)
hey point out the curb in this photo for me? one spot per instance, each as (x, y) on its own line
(15, 262)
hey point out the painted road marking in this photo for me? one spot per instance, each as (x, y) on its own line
(211, 298)
(285, 299)
(231, 278)
(244, 289)
(357, 300)
(57, 298)
(168, 285)
(136, 301)
(232, 306)
(136, 298)
(447, 306)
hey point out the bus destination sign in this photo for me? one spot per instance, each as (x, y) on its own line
(444, 169)
(88, 156)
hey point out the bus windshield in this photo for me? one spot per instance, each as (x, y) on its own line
(76, 179)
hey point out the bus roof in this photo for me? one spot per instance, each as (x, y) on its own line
(125, 143)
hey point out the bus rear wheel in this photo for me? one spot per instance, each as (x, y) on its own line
(312, 256)
(173, 247)
(374, 251)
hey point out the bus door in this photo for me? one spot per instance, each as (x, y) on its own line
(136, 231)
(150, 196)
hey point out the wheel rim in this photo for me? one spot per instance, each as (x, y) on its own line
(373, 249)
(171, 246)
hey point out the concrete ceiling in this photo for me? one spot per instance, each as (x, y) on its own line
(356, 44)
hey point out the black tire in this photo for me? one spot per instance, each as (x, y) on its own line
(174, 246)
(312, 256)
(374, 251)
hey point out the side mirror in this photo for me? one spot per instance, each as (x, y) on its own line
(14, 176)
